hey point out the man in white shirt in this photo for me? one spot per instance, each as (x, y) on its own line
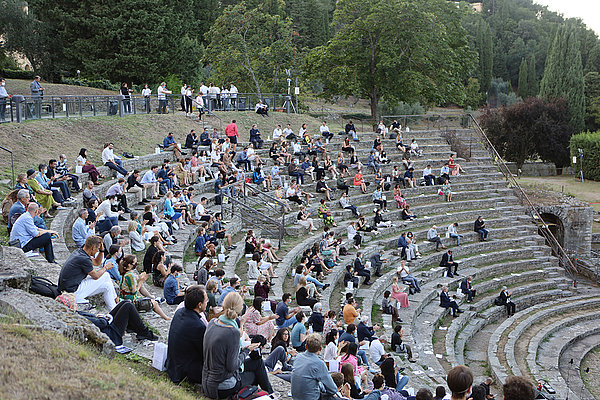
(213, 91)
(434, 237)
(277, 133)
(377, 352)
(453, 232)
(261, 109)
(104, 211)
(429, 176)
(183, 91)
(233, 92)
(204, 92)
(111, 161)
(162, 98)
(80, 230)
(118, 190)
(288, 133)
(324, 129)
(3, 97)
(146, 92)
(149, 181)
(201, 213)
(297, 148)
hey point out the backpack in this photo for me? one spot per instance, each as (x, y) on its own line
(498, 301)
(343, 251)
(43, 287)
(250, 392)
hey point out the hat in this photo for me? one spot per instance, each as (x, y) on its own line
(31, 172)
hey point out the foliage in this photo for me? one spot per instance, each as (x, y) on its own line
(61, 37)
(523, 82)
(592, 100)
(400, 50)
(500, 94)
(563, 76)
(486, 54)
(98, 84)
(533, 86)
(530, 129)
(589, 142)
(473, 96)
(251, 48)
(310, 22)
(16, 73)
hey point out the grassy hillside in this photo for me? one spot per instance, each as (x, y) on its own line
(35, 364)
(21, 86)
(36, 141)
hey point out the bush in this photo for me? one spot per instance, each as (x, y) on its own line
(17, 74)
(589, 142)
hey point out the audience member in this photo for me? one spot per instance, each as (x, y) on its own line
(29, 237)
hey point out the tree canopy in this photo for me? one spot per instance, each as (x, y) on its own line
(400, 50)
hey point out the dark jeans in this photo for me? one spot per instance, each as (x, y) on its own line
(449, 269)
(299, 176)
(295, 199)
(470, 294)
(74, 182)
(38, 242)
(453, 306)
(366, 274)
(64, 188)
(117, 166)
(279, 354)
(254, 374)
(127, 106)
(105, 224)
(58, 197)
(2, 109)
(257, 143)
(510, 307)
(429, 180)
(162, 106)
(327, 135)
(483, 233)
(126, 317)
(345, 188)
(437, 241)
(381, 203)
(147, 104)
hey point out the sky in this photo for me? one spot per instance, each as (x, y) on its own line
(587, 10)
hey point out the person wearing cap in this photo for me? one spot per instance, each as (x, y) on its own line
(29, 236)
(43, 196)
(459, 380)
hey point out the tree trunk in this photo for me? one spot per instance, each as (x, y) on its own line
(249, 67)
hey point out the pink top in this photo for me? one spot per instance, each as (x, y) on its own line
(350, 359)
(194, 161)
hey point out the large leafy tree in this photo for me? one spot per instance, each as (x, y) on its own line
(563, 76)
(400, 50)
(250, 47)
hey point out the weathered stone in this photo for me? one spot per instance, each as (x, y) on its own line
(13, 268)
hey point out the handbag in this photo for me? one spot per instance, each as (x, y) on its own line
(440, 193)
(143, 304)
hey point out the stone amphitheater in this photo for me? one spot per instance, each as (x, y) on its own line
(556, 323)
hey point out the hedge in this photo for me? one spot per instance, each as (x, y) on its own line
(98, 84)
(16, 73)
(589, 142)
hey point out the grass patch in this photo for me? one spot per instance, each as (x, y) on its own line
(37, 363)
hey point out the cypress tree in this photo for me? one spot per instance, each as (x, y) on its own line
(563, 75)
(532, 80)
(485, 49)
(523, 80)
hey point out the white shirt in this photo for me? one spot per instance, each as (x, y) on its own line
(250, 153)
(188, 92)
(234, 91)
(344, 202)
(351, 232)
(107, 155)
(331, 351)
(297, 148)
(324, 128)
(104, 207)
(302, 132)
(224, 93)
(163, 92)
(414, 146)
(287, 131)
(376, 350)
(427, 171)
(277, 132)
(146, 92)
(451, 229)
(204, 90)
(290, 192)
(200, 210)
(183, 90)
(432, 233)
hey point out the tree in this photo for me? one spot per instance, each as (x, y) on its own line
(592, 63)
(400, 50)
(530, 129)
(592, 100)
(523, 81)
(563, 75)
(250, 47)
(309, 31)
(532, 79)
(486, 52)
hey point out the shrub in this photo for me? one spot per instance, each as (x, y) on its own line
(589, 142)
(98, 84)
(17, 74)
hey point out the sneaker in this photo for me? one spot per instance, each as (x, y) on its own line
(148, 335)
(159, 300)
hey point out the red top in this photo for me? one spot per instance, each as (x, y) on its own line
(451, 163)
(231, 130)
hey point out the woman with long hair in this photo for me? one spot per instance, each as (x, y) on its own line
(88, 167)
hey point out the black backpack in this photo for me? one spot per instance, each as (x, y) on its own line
(44, 287)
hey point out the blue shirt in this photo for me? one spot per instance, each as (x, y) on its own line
(282, 310)
(227, 290)
(24, 229)
(80, 232)
(114, 271)
(199, 244)
(295, 336)
(16, 208)
(168, 208)
(310, 377)
(148, 177)
(168, 141)
(42, 180)
(171, 289)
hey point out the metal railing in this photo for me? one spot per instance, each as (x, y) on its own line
(12, 164)
(22, 108)
(564, 259)
(255, 208)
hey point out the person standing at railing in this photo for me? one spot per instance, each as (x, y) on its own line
(233, 92)
(146, 92)
(225, 98)
(189, 93)
(126, 92)
(37, 92)
(162, 98)
(204, 92)
(3, 98)
(183, 90)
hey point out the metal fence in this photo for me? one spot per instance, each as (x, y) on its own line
(22, 108)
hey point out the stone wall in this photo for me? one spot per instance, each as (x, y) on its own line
(538, 169)
(577, 219)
